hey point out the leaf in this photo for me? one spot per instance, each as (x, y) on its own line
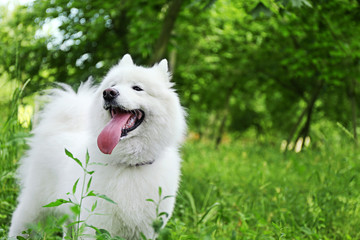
(143, 237)
(157, 224)
(102, 196)
(75, 185)
(307, 3)
(98, 163)
(91, 194)
(69, 154)
(88, 184)
(300, 3)
(102, 232)
(210, 212)
(20, 238)
(75, 209)
(168, 196)
(94, 206)
(105, 198)
(346, 131)
(150, 200)
(164, 213)
(58, 202)
(75, 223)
(87, 157)
(160, 191)
(92, 227)
(192, 202)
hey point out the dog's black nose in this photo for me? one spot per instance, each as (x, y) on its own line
(110, 94)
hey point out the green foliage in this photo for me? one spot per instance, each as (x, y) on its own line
(81, 45)
(264, 70)
(22, 53)
(79, 224)
(259, 193)
(53, 226)
(258, 63)
(158, 223)
(12, 144)
(248, 190)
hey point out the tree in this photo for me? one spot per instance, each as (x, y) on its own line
(272, 66)
(312, 63)
(93, 35)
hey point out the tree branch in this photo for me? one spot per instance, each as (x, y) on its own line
(169, 23)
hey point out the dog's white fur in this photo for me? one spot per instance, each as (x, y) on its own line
(74, 120)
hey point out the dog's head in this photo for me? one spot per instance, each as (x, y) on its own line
(140, 113)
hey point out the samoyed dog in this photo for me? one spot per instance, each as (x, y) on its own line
(133, 124)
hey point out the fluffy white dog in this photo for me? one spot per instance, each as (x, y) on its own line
(133, 123)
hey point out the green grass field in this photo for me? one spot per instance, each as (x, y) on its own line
(246, 191)
(243, 190)
(261, 194)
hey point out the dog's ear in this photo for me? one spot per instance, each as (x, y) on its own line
(163, 65)
(126, 60)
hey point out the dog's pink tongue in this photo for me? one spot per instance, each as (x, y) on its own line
(111, 134)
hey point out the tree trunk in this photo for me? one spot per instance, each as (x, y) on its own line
(163, 40)
(304, 132)
(221, 129)
(306, 128)
(121, 23)
(295, 127)
(226, 113)
(353, 109)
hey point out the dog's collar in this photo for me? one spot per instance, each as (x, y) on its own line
(142, 163)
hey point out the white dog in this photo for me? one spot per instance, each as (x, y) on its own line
(134, 124)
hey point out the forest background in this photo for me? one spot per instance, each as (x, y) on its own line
(270, 87)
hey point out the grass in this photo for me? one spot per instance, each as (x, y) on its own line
(263, 194)
(12, 146)
(243, 190)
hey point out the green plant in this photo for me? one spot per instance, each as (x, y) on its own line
(158, 223)
(12, 145)
(79, 224)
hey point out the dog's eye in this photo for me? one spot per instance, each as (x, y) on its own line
(137, 88)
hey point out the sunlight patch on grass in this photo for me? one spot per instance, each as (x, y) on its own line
(25, 113)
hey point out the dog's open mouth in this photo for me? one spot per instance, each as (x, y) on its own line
(134, 118)
(122, 122)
